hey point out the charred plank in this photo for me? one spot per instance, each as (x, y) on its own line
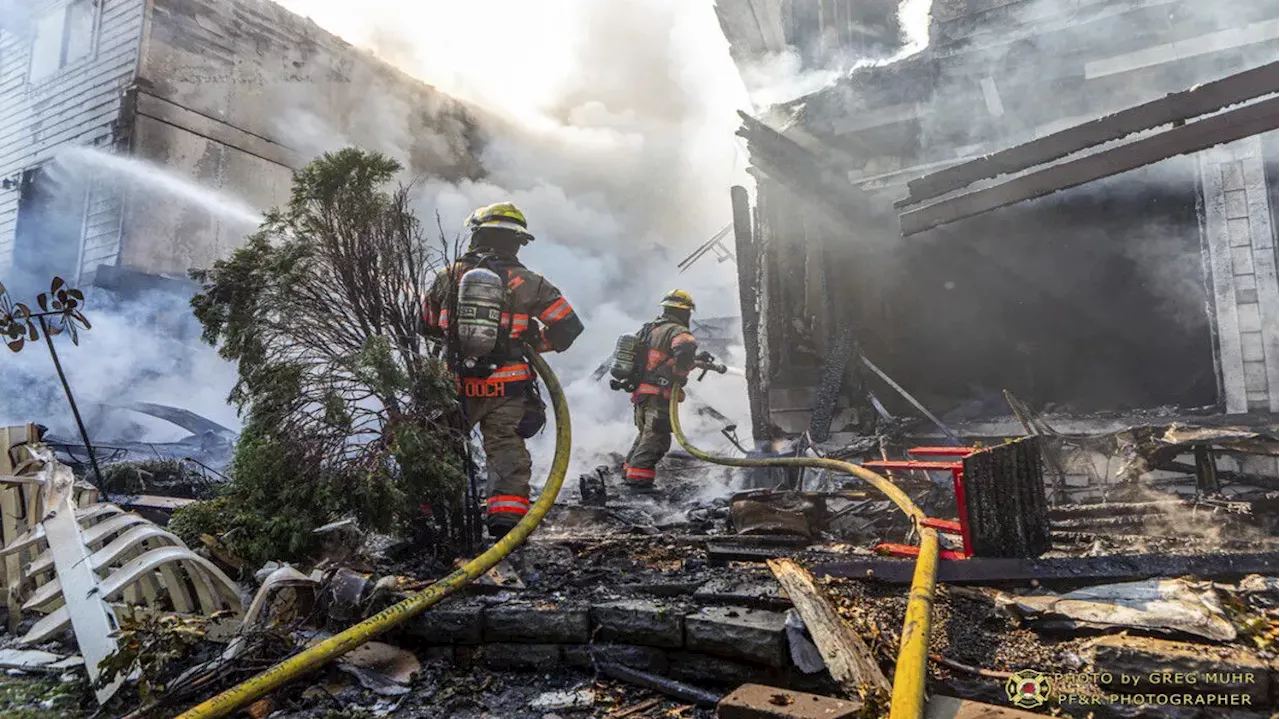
(1005, 500)
(981, 570)
(1184, 105)
(1242, 122)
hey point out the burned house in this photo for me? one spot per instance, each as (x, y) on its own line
(1037, 202)
(228, 96)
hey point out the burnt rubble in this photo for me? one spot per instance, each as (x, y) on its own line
(620, 592)
(649, 603)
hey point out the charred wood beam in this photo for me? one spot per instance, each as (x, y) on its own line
(1090, 522)
(1206, 471)
(721, 552)
(831, 382)
(1229, 126)
(1174, 107)
(662, 685)
(1071, 540)
(980, 570)
(805, 173)
(746, 248)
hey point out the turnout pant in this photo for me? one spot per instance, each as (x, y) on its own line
(506, 457)
(653, 439)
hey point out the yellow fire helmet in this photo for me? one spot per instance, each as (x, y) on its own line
(501, 216)
(679, 299)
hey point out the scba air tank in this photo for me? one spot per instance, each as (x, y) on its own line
(481, 297)
(625, 357)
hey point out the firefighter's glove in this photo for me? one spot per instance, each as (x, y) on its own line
(535, 413)
(537, 341)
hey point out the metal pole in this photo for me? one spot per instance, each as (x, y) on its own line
(907, 396)
(84, 434)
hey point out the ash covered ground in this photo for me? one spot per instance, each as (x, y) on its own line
(669, 548)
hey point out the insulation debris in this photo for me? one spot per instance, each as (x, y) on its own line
(1157, 605)
(381, 668)
(564, 701)
(1148, 448)
(34, 660)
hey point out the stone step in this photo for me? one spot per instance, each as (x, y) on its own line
(752, 635)
(738, 633)
(756, 701)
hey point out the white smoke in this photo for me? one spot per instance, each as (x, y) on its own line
(914, 17)
(615, 134)
(618, 145)
(780, 77)
(143, 347)
(146, 349)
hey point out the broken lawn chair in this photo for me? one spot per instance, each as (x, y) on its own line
(79, 561)
(1000, 499)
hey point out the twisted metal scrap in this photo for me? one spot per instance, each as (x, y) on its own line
(19, 325)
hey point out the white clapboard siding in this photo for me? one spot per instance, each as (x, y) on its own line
(81, 104)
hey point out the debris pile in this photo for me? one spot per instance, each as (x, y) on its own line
(639, 606)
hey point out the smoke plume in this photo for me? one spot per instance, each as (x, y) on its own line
(143, 349)
(615, 133)
(617, 143)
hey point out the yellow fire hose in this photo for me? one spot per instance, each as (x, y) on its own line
(339, 644)
(913, 654)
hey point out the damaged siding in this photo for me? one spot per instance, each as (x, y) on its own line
(79, 104)
(237, 94)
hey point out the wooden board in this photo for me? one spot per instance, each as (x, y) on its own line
(1229, 126)
(848, 658)
(1207, 98)
(981, 570)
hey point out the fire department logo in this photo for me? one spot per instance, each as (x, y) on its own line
(1027, 689)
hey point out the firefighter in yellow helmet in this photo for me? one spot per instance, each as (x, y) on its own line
(499, 392)
(672, 353)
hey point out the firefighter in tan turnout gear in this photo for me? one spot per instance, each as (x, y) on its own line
(668, 353)
(488, 306)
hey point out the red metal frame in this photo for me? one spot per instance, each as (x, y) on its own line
(956, 468)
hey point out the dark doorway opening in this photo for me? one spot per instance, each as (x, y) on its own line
(1088, 300)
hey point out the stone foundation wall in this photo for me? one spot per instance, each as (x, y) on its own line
(643, 632)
